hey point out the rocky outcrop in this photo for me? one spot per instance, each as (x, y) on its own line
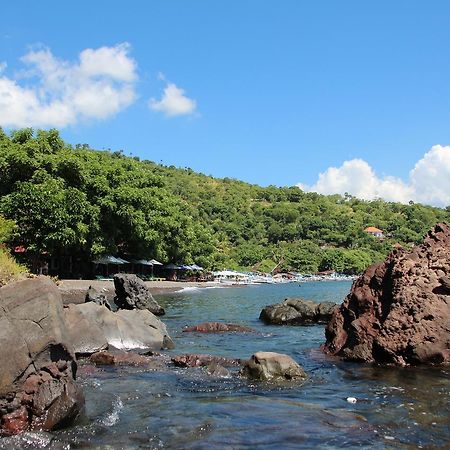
(198, 360)
(218, 327)
(37, 362)
(121, 358)
(296, 311)
(93, 328)
(92, 295)
(132, 293)
(270, 366)
(398, 311)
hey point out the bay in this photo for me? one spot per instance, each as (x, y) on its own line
(187, 408)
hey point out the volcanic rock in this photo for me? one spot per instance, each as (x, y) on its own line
(132, 293)
(93, 328)
(218, 327)
(270, 366)
(398, 311)
(197, 360)
(121, 358)
(296, 311)
(37, 362)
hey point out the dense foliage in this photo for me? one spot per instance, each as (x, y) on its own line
(87, 203)
(9, 269)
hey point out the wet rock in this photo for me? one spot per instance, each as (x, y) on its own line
(37, 362)
(216, 370)
(92, 295)
(270, 366)
(198, 360)
(295, 311)
(398, 311)
(218, 327)
(93, 328)
(109, 358)
(132, 293)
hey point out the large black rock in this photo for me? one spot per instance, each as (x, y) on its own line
(296, 311)
(132, 293)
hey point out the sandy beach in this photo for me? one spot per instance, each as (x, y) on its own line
(73, 291)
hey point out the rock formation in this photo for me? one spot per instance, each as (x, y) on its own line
(398, 311)
(92, 295)
(218, 327)
(93, 328)
(270, 366)
(295, 311)
(132, 293)
(198, 360)
(121, 358)
(37, 362)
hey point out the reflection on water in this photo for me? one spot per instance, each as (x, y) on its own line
(187, 408)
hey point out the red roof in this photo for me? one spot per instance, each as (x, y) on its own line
(372, 230)
(19, 249)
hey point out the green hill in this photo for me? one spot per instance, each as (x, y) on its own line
(85, 203)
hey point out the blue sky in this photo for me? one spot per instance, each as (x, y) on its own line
(267, 92)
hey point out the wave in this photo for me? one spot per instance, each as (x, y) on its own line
(113, 417)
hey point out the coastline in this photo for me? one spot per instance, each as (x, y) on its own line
(73, 291)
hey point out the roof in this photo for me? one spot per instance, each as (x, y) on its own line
(372, 230)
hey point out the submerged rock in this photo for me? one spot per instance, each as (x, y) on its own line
(120, 358)
(270, 366)
(37, 362)
(132, 293)
(93, 328)
(198, 360)
(218, 327)
(398, 311)
(296, 311)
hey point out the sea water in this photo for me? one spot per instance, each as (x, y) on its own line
(341, 405)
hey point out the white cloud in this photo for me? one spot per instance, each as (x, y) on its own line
(61, 93)
(173, 102)
(428, 182)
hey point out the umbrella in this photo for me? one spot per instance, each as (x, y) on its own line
(172, 266)
(155, 263)
(122, 261)
(196, 267)
(144, 262)
(110, 260)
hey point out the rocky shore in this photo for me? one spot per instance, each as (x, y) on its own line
(398, 311)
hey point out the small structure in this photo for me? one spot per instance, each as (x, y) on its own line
(375, 232)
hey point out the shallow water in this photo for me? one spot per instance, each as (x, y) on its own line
(186, 408)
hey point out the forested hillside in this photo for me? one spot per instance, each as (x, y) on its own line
(87, 203)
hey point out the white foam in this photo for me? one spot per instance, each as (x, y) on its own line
(113, 417)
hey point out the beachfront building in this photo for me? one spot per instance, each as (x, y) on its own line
(375, 232)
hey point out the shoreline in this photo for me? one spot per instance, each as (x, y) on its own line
(73, 291)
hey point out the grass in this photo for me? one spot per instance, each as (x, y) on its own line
(10, 270)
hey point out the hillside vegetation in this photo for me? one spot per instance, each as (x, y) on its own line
(10, 270)
(83, 202)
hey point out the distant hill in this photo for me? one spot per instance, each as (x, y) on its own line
(84, 203)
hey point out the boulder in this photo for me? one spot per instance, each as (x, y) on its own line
(296, 311)
(270, 366)
(398, 311)
(218, 327)
(121, 358)
(92, 295)
(93, 328)
(37, 361)
(198, 360)
(132, 293)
